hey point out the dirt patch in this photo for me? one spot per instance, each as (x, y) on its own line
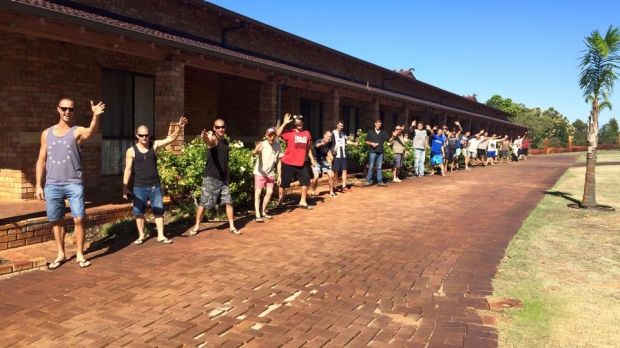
(499, 304)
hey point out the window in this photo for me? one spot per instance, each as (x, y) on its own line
(130, 101)
(394, 120)
(351, 117)
(312, 111)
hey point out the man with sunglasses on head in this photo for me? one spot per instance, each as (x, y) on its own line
(141, 160)
(216, 178)
(298, 146)
(60, 160)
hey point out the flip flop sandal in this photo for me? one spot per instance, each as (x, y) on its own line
(139, 241)
(53, 265)
(306, 207)
(235, 231)
(83, 263)
(193, 231)
(259, 219)
(266, 216)
(165, 241)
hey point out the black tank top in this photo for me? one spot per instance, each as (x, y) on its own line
(145, 168)
(217, 161)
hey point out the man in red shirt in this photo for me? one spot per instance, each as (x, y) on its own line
(525, 146)
(298, 143)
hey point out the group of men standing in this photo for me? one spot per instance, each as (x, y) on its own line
(302, 160)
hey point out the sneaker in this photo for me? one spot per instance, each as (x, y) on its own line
(382, 184)
(367, 183)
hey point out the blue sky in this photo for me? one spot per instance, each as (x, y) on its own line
(525, 50)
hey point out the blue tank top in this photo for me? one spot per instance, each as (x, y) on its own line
(63, 158)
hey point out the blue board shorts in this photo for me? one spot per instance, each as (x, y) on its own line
(55, 195)
(436, 159)
(144, 194)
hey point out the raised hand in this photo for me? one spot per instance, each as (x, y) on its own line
(457, 123)
(288, 118)
(182, 121)
(413, 123)
(98, 108)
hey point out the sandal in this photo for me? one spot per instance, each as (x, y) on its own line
(267, 216)
(235, 231)
(306, 207)
(57, 263)
(193, 231)
(139, 241)
(83, 263)
(165, 241)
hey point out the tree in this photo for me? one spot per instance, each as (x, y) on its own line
(608, 134)
(581, 133)
(598, 74)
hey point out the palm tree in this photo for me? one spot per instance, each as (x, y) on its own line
(598, 74)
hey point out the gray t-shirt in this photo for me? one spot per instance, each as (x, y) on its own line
(420, 139)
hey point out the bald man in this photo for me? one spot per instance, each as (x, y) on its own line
(60, 160)
(141, 161)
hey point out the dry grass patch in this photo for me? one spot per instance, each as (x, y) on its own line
(564, 265)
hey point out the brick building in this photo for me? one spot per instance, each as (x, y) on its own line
(151, 61)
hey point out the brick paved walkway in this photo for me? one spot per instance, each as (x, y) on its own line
(397, 266)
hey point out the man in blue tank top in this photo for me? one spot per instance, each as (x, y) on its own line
(141, 160)
(59, 158)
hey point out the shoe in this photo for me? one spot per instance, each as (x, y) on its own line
(396, 180)
(235, 231)
(193, 231)
(267, 216)
(367, 183)
(165, 241)
(382, 184)
(83, 263)
(259, 219)
(55, 264)
(333, 194)
(139, 241)
(306, 207)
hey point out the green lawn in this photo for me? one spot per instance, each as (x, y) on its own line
(564, 264)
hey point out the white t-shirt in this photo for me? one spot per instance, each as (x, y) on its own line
(266, 161)
(492, 145)
(518, 143)
(473, 145)
(340, 144)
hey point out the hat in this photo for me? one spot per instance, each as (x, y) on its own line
(270, 130)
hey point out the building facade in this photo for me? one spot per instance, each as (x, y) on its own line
(152, 61)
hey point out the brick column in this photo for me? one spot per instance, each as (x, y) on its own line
(332, 111)
(170, 99)
(268, 106)
(369, 113)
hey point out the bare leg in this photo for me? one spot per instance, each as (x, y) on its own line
(159, 222)
(140, 226)
(257, 193)
(304, 192)
(267, 199)
(344, 179)
(59, 236)
(330, 181)
(200, 212)
(79, 239)
(230, 214)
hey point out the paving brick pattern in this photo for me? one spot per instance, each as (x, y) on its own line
(407, 265)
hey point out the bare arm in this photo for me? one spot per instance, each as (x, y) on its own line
(129, 156)
(208, 138)
(41, 161)
(82, 133)
(287, 119)
(172, 137)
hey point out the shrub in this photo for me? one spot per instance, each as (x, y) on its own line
(181, 175)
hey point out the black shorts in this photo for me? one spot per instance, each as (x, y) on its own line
(450, 154)
(292, 173)
(525, 151)
(482, 153)
(339, 165)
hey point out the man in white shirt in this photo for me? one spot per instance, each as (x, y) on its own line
(340, 141)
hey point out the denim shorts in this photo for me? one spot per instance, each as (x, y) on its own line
(212, 189)
(398, 160)
(321, 167)
(55, 196)
(143, 194)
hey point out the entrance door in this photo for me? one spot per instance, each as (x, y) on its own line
(312, 111)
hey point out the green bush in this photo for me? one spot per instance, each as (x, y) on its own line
(181, 175)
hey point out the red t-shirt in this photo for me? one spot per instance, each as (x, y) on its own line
(525, 143)
(297, 144)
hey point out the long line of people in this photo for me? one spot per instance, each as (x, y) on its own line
(303, 160)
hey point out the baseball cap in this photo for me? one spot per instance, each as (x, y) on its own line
(270, 130)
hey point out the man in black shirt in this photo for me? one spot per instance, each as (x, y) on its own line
(215, 180)
(141, 161)
(324, 159)
(375, 139)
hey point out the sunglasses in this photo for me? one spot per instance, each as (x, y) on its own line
(65, 109)
(143, 135)
(219, 127)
